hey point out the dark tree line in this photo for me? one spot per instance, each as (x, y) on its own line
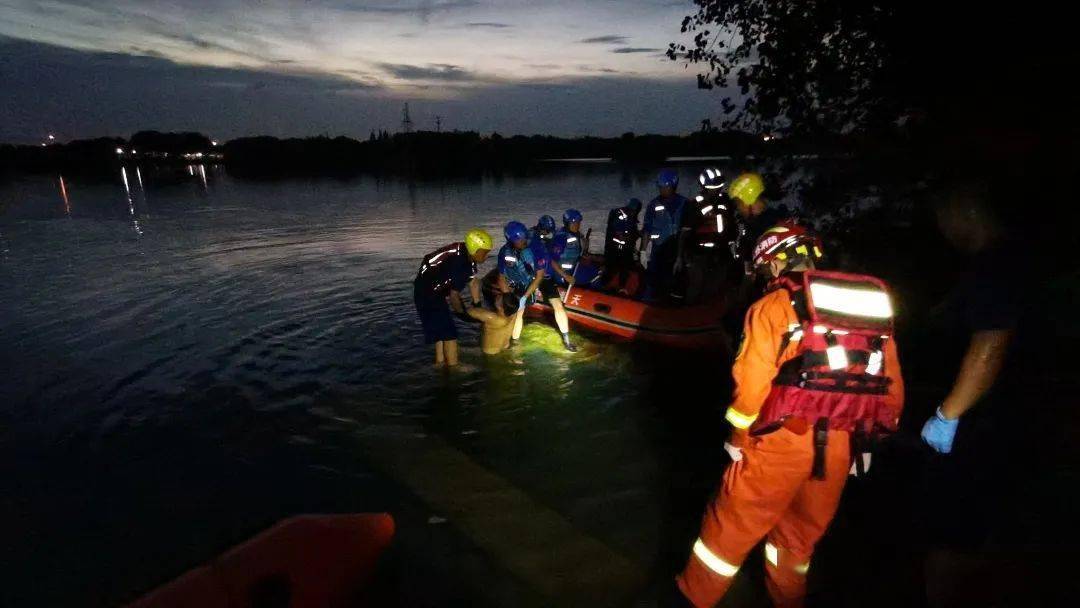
(421, 153)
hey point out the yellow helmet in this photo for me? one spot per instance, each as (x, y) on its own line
(477, 239)
(747, 188)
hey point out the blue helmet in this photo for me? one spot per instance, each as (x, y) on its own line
(546, 223)
(634, 204)
(571, 216)
(515, 231)
(668, 178)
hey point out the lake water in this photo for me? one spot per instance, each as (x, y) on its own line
(189, 357)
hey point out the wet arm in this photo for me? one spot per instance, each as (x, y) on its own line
(535, 283)
(978, 372)
(455, 302)
(474, 291)
(562, 273)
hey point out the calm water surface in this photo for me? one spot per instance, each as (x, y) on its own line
(188, 357)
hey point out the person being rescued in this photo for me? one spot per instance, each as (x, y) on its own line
(705, 241)
(443, 275)
(523, 271)
(621, 267)
(816, 378)
(497, 324)
(567, 247)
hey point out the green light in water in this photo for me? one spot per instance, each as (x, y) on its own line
(536, 337)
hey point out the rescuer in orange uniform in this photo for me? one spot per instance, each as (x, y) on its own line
(816, 377)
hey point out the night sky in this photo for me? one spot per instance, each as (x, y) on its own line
(84, 68)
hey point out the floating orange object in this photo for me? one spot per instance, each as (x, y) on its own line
(309, 561)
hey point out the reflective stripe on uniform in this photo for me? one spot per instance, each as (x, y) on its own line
(713, 562)
(873, 365)
(850, 301)
(837, 357)
(738, 419)
(772, 554)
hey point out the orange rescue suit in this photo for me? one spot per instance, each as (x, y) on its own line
(769, 493)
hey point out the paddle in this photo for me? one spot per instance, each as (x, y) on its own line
(573, 272)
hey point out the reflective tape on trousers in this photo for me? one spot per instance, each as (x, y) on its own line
(712, 562)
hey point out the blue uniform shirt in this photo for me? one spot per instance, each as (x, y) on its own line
(520, 267)
(663, 217)
(566, 249)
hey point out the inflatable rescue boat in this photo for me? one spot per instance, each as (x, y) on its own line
(309, 561)
(699, 326)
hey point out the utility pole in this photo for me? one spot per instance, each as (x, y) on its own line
(406, 122)
(438, 124)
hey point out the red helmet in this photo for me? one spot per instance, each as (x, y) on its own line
(784, 241)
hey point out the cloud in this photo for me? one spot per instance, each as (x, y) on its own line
(423, 10)
(120, 94)
(600, 69)
(624, 50)
(489, 24)
(609, 39)
(431, 71)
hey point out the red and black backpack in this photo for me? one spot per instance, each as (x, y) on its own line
(837, 374)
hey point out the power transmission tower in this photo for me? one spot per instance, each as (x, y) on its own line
(406, 122)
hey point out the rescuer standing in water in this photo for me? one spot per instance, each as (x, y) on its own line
(817, 372)
(442, 276)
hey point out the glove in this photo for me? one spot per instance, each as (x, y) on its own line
(939, 431)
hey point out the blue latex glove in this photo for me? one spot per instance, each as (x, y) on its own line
(939, 431)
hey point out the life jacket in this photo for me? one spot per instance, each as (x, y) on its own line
(436, 274)
(714, 228)
(519, 267)
(837, 372)
(571, 248)
(664, 217)
(622, 231)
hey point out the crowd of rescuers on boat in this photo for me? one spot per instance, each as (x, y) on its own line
(695, 249)
(817, 376)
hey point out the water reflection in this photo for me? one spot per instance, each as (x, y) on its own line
(264, 311)
(131, 203)
(64, 196)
